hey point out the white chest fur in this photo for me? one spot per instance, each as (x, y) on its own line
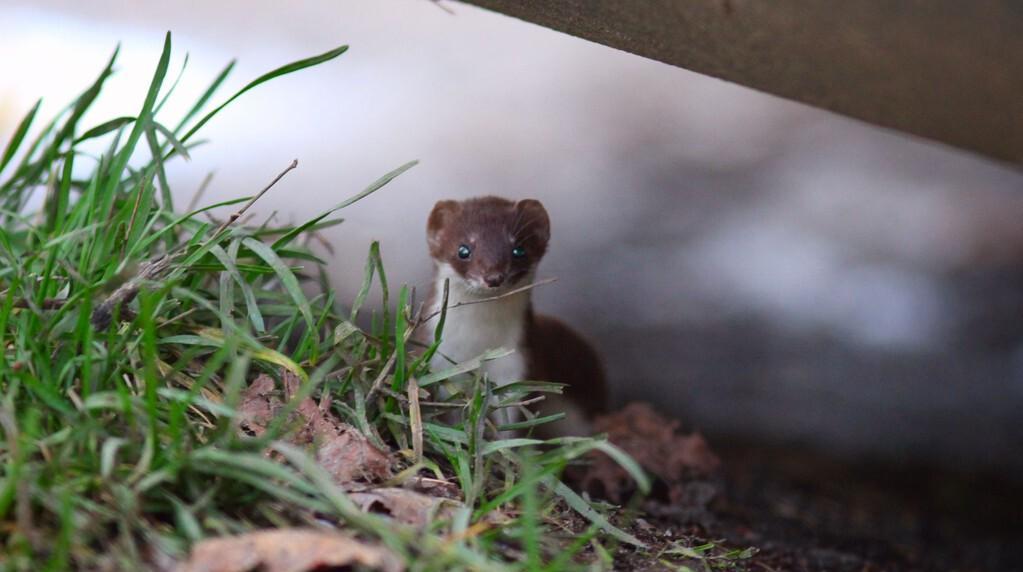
(471, 329)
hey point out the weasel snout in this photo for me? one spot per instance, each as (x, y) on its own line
(494, 279)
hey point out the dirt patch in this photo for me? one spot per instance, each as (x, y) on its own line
(743, 507)
(732, 508)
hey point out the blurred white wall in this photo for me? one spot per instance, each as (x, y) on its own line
(684, 209)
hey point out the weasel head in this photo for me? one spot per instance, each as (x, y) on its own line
(491, 244)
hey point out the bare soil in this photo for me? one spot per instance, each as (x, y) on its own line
(806, 512)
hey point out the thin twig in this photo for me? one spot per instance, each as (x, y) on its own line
(379, 381)
(104, 313)
(507, 294)
(152, 269)
(178, 317)
(266, 223)
(235, 216)
(450, 405)
(48, 304)
(392, 393)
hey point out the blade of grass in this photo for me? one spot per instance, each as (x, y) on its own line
(287, 278)
(169, 137)
(19, 134)
(283, 70)
(494, 446)
(367, 282)
(104, 128)
(201, 102)
(464, 367)
(372, 188)
(251, 305)
(144, 117)
(589, 513)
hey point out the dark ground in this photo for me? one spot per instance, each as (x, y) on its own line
(805, 512)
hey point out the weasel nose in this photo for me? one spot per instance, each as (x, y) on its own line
(494, 279)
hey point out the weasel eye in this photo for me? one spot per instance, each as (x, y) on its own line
(518, 252)
(464, 252)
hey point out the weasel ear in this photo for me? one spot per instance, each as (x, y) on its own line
(440, 217)
(535, 221)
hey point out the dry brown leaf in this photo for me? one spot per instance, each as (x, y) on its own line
(654, 442)
(404, 505)
(287, 550)
(258, 405)
(348, 456)
(340, 448)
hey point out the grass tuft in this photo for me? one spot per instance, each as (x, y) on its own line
(129, 332)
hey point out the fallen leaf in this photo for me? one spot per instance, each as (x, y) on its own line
(340, 448)
(656, 444)
(258, 405)
(287, 550)
(348, 456)
(403, 505)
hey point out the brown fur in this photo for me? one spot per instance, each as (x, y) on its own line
(559, 353)
(491, 227)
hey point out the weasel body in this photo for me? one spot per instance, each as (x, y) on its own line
(487, 247)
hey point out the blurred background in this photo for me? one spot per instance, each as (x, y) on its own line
(770, 273)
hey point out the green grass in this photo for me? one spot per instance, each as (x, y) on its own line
(129, 329)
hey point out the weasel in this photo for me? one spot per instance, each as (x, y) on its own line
(489, 246)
